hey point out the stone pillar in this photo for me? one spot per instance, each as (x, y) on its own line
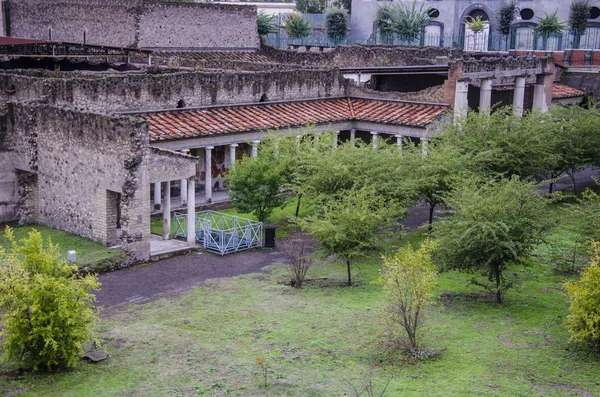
(352, 135)
(167, 212)
(208, 174)
(183, 185)
(461, 100)
(519, 95)
(399, 140)
(157, 204)
(374, 136)
(540, 94)
(191, 213)
(254, 148)
(232, 154)
(424, 144)
(485, 95)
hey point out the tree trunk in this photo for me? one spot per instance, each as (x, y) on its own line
(431, 209)
(498, 283)
(550, 188)
(572, 175)
(349, 275)
(298, 205)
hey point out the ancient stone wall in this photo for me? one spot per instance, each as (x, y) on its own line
(135, 23)
(76, 167)
(584, 80)
(138, 91)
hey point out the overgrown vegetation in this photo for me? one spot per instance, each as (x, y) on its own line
(310, 6)
(296, 26)
(266, 23)
(335, 20)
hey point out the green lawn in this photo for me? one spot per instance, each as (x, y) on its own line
(323, 340)
(88, 251)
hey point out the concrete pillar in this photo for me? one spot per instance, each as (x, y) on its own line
(424, 144)
(485, 95)
(352, 135)
(191, 213)
(167, 212)
(374, 136)
(540, 94)
(232, 154)
(157, 201)
(519, 95)
(254, 148)
(208, 174)
(399, 140)
(461, 100)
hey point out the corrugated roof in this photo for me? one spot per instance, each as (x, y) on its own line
(261, 117)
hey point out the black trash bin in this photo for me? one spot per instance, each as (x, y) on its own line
(270, 236)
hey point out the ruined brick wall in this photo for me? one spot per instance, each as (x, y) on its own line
(78, 162)
(189, 25)
(108, 22)
(136, 23)
(108, 93)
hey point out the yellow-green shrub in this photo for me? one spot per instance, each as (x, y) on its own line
(583, 322)
(46, 309)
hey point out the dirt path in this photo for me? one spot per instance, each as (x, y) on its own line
(137, 284)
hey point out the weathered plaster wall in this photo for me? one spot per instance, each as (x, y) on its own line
(585, 80)
(76, 163)
(108, 93)
(136, 23)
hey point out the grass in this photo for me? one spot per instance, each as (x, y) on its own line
(88, 251)
(323, 341)
(282, 217)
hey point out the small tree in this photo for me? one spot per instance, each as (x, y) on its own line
(47, 310)
(351, 224)
(579, 13)
(506, 14)
(335, 19)
(384, 20)
(296, 26)
(583, 322)
(408, 278)
(493, 225)
(256, 183)
(408, 22)
(266, 23)
(296, 251)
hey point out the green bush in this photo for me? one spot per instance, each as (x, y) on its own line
(335, 21)
(583, 322)
(505, 16)
(296, 26)
(579, 14)
(46, 309)
(266, 23)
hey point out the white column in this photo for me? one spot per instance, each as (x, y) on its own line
(424, 144)
(232, 154)
(157, 204)
(539, 94)
(167, 212)
(485, 95)
(254, 148)
(191, 213)
(374, 136)
(208, 174)
(352, 135)
(461, 100)
(399, 140)
(183, 185)
(519, 95)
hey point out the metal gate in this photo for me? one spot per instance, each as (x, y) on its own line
(221, 233)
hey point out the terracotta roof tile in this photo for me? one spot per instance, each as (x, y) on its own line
(264, 116)
(561, 91)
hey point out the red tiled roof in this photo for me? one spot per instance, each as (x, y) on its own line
(4, 40)
(561, 91)
(261, 117)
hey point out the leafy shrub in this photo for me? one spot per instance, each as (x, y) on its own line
(408, 278)
(296, 251)
(46, 309)
(296, 26)
(579, 13)
(384, 20)
(266, 23)
(409, 22)
(583, 322)
(335, 21)
(476, 24)
(549, 25)
(310, 6)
